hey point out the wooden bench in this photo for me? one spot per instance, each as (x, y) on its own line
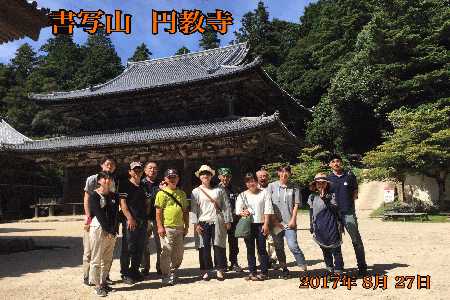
(51, 208)
(395, 215)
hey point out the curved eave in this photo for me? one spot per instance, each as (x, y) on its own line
(275, 85)
(239, 70)
(264, 123)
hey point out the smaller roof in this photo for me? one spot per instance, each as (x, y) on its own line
(8, 135)
(170, 133)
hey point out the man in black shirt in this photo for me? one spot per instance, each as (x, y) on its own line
(103, 208)
(151, 188)
(134, 227)
(345, 187)
(225, 183)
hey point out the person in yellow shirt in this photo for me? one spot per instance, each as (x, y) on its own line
(172, 219)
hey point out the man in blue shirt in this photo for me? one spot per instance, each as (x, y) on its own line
(345, 187)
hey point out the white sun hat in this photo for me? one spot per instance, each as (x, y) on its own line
(205, 168)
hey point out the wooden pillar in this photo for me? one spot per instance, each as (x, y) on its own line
(230, 105)
(187, 176)
(237, 176)
(51, 210)
(66, 185)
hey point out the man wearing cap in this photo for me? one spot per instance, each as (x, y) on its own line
(172, 219)
(134, 228)
(345, 186)
(233, 246)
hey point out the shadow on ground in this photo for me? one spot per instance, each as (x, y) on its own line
(10, 230)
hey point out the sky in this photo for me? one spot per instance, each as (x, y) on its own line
(162, 44)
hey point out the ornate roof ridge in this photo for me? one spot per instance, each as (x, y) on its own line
(190, 54)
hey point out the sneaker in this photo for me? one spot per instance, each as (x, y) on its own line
(263, 277)
(128, 280)
(171, 281)
(145, 272)
(167, 281)
(236, 268)
(252, 277)
(172, 277)
(101, 292)
(220, 276)
(285, 274)
(206, 277)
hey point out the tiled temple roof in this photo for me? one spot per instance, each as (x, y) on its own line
(170, 133)
(169, 71)
(8, 135)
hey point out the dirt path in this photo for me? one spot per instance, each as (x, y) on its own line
(371, 195)
(391, 249)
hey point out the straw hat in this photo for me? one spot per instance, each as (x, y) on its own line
(205, 168)
(320, 177)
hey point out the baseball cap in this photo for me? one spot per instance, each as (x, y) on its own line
(334, 156)
(224, 171)
(135, 164)
(171, 173)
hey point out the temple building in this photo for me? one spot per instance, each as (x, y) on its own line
(214, 106)
(20, 18)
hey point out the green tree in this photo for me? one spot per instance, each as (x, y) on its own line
(255, 29)
(311, 160)
(328, 32)
(141, 53)
(23, 63)
(402, 58)
(419, 143)
(209, 39)
(270, 40)
(18, 110)
(182, 50)
(100, 62)
(324, 128)
(5, 74)
(56, 69)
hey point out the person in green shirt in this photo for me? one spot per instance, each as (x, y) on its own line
(172, 219)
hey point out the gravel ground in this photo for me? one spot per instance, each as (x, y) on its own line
(392, 249)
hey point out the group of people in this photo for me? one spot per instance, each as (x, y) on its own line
(147, 207)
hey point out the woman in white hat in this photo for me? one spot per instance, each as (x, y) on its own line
(211, 216)
(325, 223)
